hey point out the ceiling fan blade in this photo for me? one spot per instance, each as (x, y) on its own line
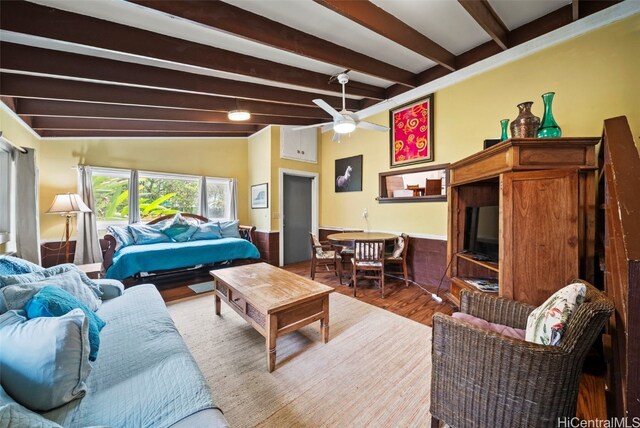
(315, 125)
(336, 137)
(372, 126)
(327, 127)
(326, 107)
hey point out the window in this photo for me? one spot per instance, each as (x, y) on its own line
(426, 184)
(218, 198)
(164, 194)
(7, 203)
(111, 194)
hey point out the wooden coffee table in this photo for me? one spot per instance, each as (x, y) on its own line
(273, 301)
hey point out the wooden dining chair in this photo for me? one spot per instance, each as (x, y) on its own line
(323, 255)
(398, 258)
(368, 258)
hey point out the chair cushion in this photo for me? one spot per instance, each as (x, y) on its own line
(504, 330)
(326, 255)
(48, 362)
(547, 322)
(366, 264)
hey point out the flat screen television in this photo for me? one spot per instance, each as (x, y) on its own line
(481, 228)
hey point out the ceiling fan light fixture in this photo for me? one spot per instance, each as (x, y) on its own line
(239, 115)
(344, 126)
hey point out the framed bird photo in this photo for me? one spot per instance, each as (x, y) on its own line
(348, 174)
(411, 136)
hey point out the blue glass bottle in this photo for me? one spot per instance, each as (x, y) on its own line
(548, 126)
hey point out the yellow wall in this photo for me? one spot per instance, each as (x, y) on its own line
(212, 157)
(260, 172)
(594, 77)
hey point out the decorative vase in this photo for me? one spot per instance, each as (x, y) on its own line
(526, 124)
(504, 123)
(548, 127)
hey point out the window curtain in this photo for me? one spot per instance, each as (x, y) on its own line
(134, 197)
(233, 192)
(87, 243)
(203, 203)
(27, 221)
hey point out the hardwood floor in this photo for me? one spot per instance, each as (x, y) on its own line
(410, 302)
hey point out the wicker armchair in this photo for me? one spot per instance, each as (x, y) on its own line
(483, 379)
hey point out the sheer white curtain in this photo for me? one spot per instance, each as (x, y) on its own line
(87, 243)
(203, 202)
(134, 197)
(233, 193)
(27, 224)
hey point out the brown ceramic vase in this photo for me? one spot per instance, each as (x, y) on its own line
(526, 124)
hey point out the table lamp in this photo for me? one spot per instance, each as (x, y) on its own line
(67, 204)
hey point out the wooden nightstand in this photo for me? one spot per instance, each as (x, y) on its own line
(93, 270)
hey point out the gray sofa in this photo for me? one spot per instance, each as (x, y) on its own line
(144, 375)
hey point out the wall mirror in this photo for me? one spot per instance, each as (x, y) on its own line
(426, 184)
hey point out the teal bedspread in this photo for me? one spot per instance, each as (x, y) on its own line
(173, 255)
(144, 375)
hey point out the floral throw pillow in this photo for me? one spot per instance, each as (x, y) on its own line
(547, 322)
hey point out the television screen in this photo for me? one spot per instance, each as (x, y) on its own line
(481, 228)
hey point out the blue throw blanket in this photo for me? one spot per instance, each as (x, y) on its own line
(173, 255)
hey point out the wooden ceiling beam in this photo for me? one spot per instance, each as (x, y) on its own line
(35, 107)
(56, 63)
(30, 18)
(575, 9)
(24, 86)
(50, 122)
(488, 19)
(248, 25)
(379, 21)
(89, 133)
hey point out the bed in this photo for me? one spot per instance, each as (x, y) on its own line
(134, 260)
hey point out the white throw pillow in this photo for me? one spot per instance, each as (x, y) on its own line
(48, 360)
(398, 247)
(547, 322)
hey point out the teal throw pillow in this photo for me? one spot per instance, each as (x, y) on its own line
(10, 265)
(229, 228)
(123, 236)
(180, 230)
(208, 230)
(71, 281)
(145, 234)
(48, 361)
(54, 302)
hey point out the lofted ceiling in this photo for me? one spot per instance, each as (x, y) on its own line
(112, 68)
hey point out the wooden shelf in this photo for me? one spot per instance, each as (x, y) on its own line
(485, 264)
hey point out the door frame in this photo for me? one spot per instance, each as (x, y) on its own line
(315, 178)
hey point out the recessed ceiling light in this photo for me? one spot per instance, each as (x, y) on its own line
(238, 115)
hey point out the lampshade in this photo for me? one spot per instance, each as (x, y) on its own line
(68, 203)
(238, 115)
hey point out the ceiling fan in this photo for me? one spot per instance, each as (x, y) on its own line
(344, 121)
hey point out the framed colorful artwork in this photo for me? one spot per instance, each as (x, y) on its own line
(411, 136)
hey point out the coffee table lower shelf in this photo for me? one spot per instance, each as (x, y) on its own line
(272, 324)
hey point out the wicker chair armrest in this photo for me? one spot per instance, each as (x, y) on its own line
(495, 309)
(478, 375)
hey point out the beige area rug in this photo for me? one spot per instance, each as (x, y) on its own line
(374, 371)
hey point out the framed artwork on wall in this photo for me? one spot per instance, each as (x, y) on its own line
(348, 174)
(411, 136)
(260, 195)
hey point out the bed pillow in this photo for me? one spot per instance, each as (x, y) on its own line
(229, 229)
(50, 272)
(123, 236)
(55, 302)
(10, 265)
(69, 281)
(144, 234)
(208, 230)
(48, 362)
(547, 322)
(179, 229)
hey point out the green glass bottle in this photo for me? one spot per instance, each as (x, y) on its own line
(504, 123)
(548, 126)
